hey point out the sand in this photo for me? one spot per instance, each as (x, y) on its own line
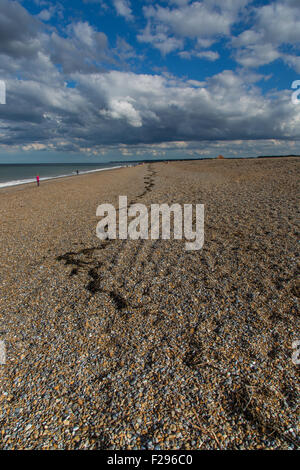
(141, 344)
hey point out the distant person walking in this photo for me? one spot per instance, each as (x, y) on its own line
(37, 180)
(77, 171)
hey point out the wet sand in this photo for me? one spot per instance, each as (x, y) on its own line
(141, 344)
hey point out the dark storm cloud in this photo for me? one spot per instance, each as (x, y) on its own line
(65, 98)
(122, 107)
(18, 30)
(85, 50)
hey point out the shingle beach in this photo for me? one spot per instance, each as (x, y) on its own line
(141, 344)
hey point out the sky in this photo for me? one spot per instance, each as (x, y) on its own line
(101, 80)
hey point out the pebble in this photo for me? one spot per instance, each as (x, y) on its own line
(140, 344)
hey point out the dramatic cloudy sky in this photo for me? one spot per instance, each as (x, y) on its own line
(136, 78)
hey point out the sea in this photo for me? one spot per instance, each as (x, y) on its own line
(15, 174)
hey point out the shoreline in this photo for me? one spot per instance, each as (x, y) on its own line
(32, 182)
(15, 183)
(140, 344)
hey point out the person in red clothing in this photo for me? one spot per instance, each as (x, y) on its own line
(38, 180)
